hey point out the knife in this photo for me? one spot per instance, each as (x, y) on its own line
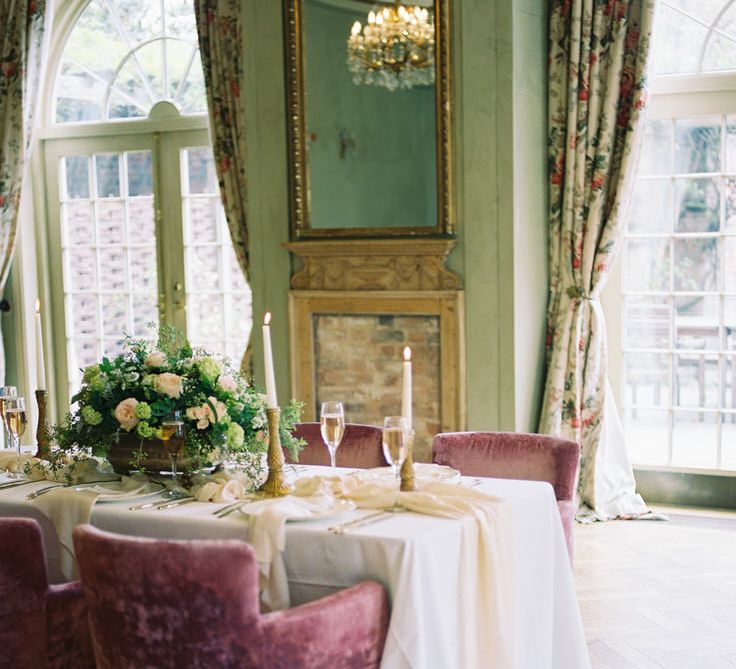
(176, 502)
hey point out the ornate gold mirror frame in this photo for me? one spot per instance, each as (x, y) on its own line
(301, 227)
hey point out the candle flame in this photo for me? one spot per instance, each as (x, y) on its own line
(267, 318)
(407, 354)
(38, 306)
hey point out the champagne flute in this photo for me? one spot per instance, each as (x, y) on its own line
(15, 422)
(6, 392)
(332, 427)
(394, 448)
(172, 434)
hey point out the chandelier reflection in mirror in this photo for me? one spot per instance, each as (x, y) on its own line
(395, 48)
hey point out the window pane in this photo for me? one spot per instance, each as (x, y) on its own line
(728, 441)
(678, 43)
(656, 150)
(696, 378)
(720, 54)
(201, 171)
(646, 435)
(648, 264)
(651, 206)
(114, 314)
(696, 323)
(648, 322)
(107, 168)
(141, 220)
(83, 317)
(698, 205)
(728, 396)
(729, 194)
(694, 439)
(79, 222)
(729, 261)
(81, 269)
(77, 176)
(110, 222)
(647, 379)
(696, 264)
(140, 177)
(729, 323)
(697, 145)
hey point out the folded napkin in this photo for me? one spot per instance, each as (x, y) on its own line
(11, 462)
(69, 506)
(78, 471)
(221, 486)
(266, 533)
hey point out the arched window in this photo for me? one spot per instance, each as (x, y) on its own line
(136, 228)
(678, 340)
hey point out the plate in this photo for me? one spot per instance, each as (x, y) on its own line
(149, 489)
(425, 471)
(301, 509)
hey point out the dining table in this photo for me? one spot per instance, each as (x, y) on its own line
(418, 558)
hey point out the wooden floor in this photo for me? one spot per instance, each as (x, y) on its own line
(659, 594)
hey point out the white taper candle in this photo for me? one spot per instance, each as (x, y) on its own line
(271, 399)
(406, 395)
(40, 364)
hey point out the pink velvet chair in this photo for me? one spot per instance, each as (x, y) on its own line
(360, 447)
(514, 455)
(40, 625)
(195, 605)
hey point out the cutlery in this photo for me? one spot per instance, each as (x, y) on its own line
(78, 487)
(151, 505)
(13, 484)
(359, 522)
(176, 502)
(227, 510)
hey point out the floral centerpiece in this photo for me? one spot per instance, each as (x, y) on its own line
(127, 397)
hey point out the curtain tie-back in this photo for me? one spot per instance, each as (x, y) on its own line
(576, 293)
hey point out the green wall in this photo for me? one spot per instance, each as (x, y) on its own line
(370, 150)
(499, 64)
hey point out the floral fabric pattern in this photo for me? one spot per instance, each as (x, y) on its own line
(21, 43)
(597, 64)
(221, 48)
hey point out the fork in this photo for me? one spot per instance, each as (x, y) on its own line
(368, 519)
(77, 488)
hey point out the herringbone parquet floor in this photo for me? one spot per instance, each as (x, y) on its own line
(659, 595)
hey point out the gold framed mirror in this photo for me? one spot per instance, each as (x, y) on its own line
(369, 137)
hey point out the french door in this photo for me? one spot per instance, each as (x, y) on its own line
(137, 236)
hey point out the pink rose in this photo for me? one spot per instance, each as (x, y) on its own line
(125, 413)
(169, 384)
(155, 359)
(204, 416)
(227, 383)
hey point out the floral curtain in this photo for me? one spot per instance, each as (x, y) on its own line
(21, 47)
(221, 48)
(597, 62)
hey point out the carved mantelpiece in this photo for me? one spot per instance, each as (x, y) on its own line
(380, 264)
(353, 306)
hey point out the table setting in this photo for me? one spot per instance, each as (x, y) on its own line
(202, 456)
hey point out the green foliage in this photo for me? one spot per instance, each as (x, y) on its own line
(138, 389)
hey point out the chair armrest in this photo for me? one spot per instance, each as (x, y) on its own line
(69, 642)
(347, 629)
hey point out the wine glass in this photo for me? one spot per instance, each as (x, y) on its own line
(394, 447)
(6, 392)
(15, 422)
(332, 427)
(172, 434)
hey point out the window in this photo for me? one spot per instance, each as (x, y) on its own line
(136, 227)
(678, 339)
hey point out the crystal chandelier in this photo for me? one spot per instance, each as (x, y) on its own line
(395, 48)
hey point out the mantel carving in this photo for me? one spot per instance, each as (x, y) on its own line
(381, 264)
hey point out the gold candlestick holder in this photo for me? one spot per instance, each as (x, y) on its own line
(43, 437)
(407, 467)
(276, 484)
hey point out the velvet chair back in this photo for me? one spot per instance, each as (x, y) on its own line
(360, 447)
(513, 455)
(40, 626)
(195, 605)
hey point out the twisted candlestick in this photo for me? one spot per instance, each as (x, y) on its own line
(407, 467)
(276, 484)
(43, 437)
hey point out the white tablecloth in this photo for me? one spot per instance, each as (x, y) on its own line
(416, 557)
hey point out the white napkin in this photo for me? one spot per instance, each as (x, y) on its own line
(10, 462)
(88, 469)
(221, 487)
(67, 507)
(266, 533)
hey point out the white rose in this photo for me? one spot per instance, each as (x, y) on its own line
(125, 413)
(155, 359)
(227, 383)
(169, 384)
